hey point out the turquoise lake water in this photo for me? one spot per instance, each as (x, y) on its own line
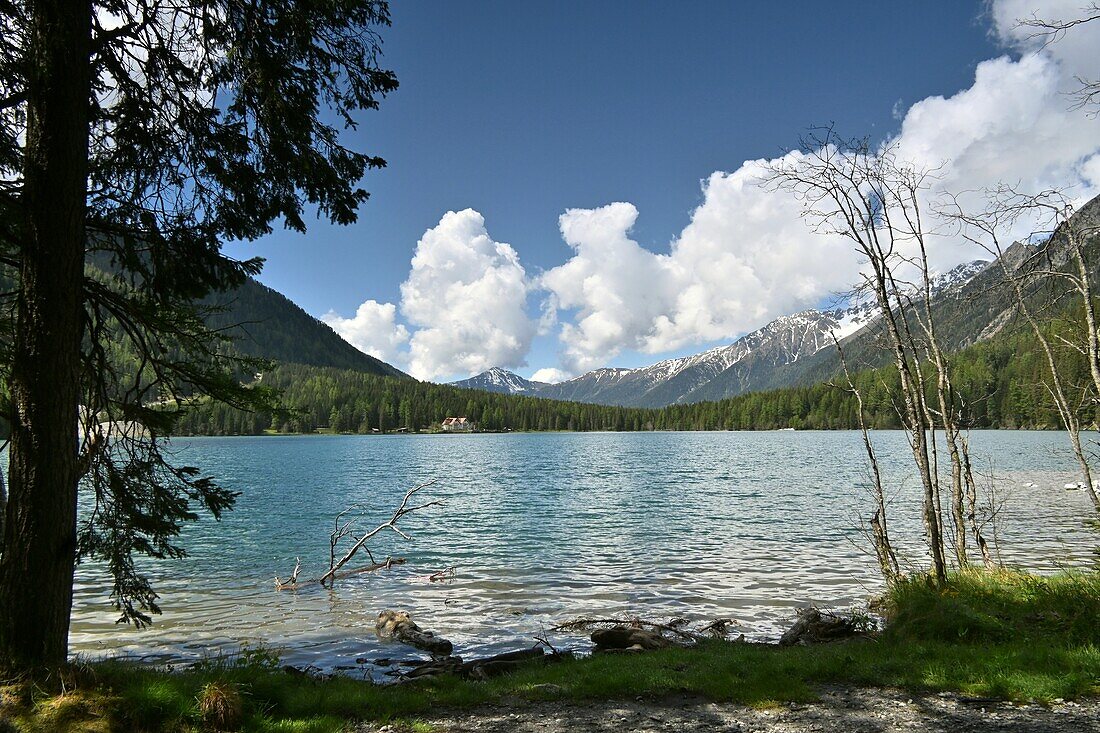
(542, 527)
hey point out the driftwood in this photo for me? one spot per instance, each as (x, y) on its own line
(434, 668)
(817, 627)
(480, 669)
(719, 628)
(399, 626)
(292, 581)
(624, 637)
(584, 624)
(388, 563)
(343, 529)
(442, 576)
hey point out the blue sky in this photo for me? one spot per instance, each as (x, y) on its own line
(521, 111)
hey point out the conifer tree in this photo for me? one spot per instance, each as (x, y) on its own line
(139, 137)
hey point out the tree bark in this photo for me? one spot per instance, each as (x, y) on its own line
(36, 571)
(3, 510)
(1084, 286)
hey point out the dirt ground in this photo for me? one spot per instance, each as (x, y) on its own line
(839, 709)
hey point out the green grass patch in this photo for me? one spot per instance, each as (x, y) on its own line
(1003, 634)
(1002, 606)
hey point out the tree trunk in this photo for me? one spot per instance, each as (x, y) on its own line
(3, 510)
(36, 571)
(880, 535)
(912, 386)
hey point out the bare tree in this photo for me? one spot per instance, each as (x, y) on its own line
(963, 489)
(1062, 260)
(880, 535)
(874, 200)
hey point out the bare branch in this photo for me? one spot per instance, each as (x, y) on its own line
(402, 510)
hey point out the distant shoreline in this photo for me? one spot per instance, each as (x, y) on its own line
(599, 432)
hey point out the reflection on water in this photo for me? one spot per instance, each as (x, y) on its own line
(545, 527)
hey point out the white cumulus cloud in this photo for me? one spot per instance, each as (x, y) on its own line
(1076, 48)
(467, 294)
(1013, 126)
(747, 257)
(465, 299)
(372, 330)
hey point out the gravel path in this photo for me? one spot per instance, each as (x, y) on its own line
(840, 709)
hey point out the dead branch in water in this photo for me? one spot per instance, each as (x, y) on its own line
(293, 579)
(388, 563)
(341, 532)
(343, 529)
(441, 576)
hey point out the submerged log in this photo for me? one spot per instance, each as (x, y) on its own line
(626, 637)
(294, 584)
(675, 628)
(436, 667)
(484, 668)
(398, 625)
(481, 669)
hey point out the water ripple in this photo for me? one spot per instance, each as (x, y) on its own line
(544, 527)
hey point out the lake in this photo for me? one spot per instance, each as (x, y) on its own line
(544, 527)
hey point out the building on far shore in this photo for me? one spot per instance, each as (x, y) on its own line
(458, 425)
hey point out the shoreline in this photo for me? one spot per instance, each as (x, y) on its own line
(1007, 647)
(326, 434)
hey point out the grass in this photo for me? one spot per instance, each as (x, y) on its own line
(1005, 634)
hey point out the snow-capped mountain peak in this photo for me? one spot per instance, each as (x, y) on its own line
(722, 370)
(957, 276)
(500, 380)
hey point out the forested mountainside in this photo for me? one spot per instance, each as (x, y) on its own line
(357, 402)
(264, 323)
(1001, 382)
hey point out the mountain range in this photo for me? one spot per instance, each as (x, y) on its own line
(970, 304)
(747, 364)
